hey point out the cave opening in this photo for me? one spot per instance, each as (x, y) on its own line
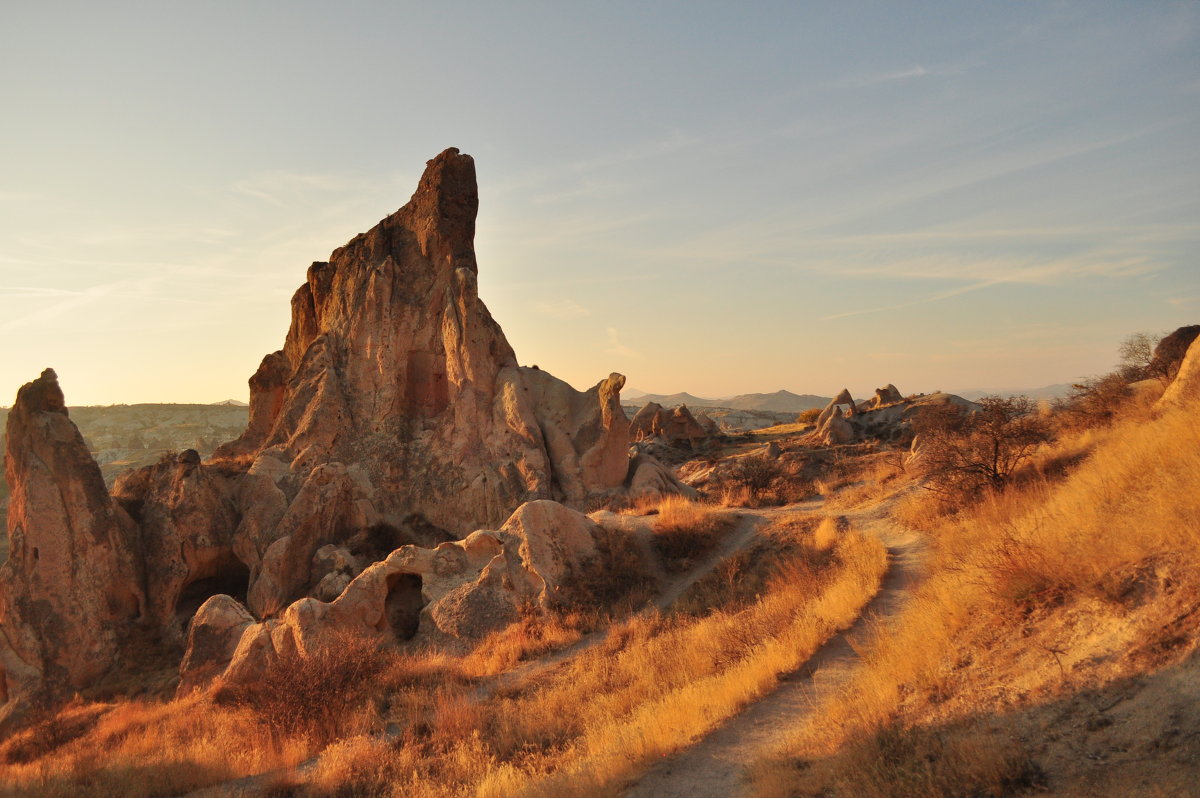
(402, 608)
(228, 576)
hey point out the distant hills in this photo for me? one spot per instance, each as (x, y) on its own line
(778, 402)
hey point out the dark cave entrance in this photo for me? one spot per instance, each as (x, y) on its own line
(402, 608)
(228, 575)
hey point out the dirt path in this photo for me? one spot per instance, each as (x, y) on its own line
(715, 766)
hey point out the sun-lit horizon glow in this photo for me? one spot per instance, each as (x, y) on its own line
(705, 199)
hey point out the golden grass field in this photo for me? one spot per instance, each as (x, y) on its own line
(1057, 588)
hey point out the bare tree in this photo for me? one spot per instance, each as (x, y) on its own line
(960, 451)
(1137, 356)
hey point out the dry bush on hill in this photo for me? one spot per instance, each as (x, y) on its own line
(809, 416)
(321, 696)
(922, 763)
(765, 481)
(961, 453)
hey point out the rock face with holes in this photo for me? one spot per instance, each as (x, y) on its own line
(452, 594)
(187, 515)
(72, 582)
(392, 362)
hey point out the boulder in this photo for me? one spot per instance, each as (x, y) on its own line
(648, 477)
(647, 423)
(72, 582)
(887, 395)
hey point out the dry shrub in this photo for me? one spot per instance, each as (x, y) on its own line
(534, 634)
(917, 762)
(363, 765)
(863, 480)
(786, 555)
(613, 582)
(142, 748)
(42, 736)
(320, 695)
(687, 531)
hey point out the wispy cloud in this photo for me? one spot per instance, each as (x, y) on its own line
(283, 188)
(615, 347)
(562, 309)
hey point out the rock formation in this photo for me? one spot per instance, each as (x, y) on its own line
(675, 426)
(393, 362)
(882, 418)
(72, 582)
(887, 395)
(1169, 353)
(843, 399)
(394, 415)
(452, 594)
(1186, 384)
(647, 423)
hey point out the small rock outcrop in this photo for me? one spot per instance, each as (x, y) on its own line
(843, 399)
(887, 395)
(885, 417)
(676, 426)
(72, 582)
(1170, 352)
(1186, 384)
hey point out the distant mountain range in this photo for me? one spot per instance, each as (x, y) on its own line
(778, 402)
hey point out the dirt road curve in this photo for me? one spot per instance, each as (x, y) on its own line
(714, 767)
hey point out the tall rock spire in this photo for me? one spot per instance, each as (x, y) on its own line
(71, 581)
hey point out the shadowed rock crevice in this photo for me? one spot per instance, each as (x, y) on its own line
(403, 605)
(229, 576)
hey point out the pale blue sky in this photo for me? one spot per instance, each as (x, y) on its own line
(703, 197)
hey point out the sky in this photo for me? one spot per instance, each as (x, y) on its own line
(703, 197)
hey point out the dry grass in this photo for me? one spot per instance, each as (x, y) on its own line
(139, 748)
(533, 635)
(797, 551)
(686, 531)
(865, 481)
(1108, 532)
(320, 697)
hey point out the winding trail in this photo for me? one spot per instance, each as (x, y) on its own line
(715, 766)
